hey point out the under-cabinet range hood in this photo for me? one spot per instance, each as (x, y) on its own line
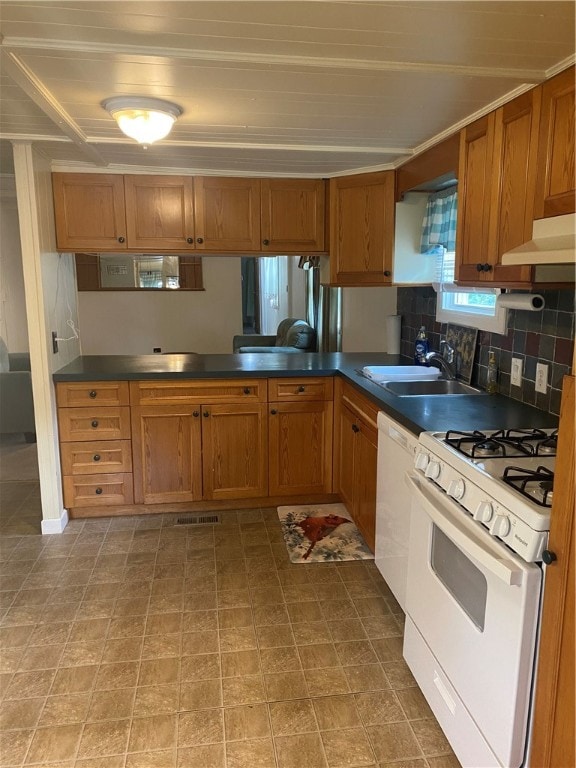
(553, 242)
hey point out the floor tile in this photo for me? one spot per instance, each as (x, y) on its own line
(300, 750)
(247, 722)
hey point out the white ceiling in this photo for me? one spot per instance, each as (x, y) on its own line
(268, 88)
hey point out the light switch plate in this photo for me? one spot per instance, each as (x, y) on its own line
(541, 377)
(516, 372)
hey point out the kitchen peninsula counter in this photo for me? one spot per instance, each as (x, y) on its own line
(417, 414)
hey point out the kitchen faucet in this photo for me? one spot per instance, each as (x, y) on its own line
(445, 365)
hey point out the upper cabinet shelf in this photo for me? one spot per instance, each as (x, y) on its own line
(105, 212)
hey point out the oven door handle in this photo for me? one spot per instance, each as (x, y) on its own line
(436, 507)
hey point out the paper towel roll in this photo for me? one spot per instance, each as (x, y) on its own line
(393, 323)
(533, 302)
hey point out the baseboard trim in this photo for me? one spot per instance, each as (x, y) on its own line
(55, 526)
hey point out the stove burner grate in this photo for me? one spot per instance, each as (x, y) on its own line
(503, 443)
(537, 485)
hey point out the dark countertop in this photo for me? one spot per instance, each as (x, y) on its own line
(417, 414)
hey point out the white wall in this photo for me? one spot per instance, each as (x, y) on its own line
(364, 313)
(13, 323)
(134, 322)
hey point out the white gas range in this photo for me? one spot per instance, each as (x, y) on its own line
(502, 478)
(480, 516)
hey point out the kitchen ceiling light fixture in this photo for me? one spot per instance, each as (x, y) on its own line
(143, 119)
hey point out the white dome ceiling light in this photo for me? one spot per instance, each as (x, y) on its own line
(143, 119)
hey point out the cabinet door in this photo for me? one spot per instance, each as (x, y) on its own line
(347, 429)
(362, 221)
(166, 445)
(513, 183)
(365, 466)
(227, 213)
(292, 215)
(235, 451)
(89, 211)
(555, 182)
(300, 438)
(474, 178)
(159, 212)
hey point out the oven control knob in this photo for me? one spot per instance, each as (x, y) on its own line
(500, 526)
(456, 488)
(421, 461)
(484, 512)
(433, 470)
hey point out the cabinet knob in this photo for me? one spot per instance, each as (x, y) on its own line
(265, 242)
(189, 240)
(96, 457)
(549, 557)
(195, 414)
(479, 267)
(206, 414)
(273, 412)
(121, 239)
(200, 240)
(98, 491)
(487, 267)
(387, 273)
(246, 390)
(355, 428)
(92, 393)
(301, 389)
(94, 423)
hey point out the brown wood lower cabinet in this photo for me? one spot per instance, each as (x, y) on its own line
(300, 447)
(167, 453)
(355, 457)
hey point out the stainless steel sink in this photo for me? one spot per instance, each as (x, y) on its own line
(425, 388)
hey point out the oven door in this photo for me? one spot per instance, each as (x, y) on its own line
(475, 606)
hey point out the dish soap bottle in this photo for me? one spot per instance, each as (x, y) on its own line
(492, 377)
(421, 347)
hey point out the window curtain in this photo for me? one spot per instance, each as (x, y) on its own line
(439, 236)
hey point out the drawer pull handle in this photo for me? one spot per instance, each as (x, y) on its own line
(200, 240)
(195, 414)
(96, 457)
(206, 414)
(246, 390)
(301, 389)
(265, 242)
(98, 491)
(189, 240)
(94, 423)
(355, 428)
(121, 239)
(273, 412)
(92, 393)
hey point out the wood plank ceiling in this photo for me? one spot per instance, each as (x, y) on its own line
(268, 88)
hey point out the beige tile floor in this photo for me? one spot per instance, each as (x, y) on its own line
(133, 642)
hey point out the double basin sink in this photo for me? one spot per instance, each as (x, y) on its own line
(405, 381)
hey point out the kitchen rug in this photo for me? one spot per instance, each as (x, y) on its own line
(320, 533)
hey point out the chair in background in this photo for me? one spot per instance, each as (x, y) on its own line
(293, 335)
(16, 402)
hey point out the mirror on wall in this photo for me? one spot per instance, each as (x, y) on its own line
(133, 272)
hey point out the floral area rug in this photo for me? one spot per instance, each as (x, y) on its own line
(320, 533)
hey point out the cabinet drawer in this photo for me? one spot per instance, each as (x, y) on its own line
(211, 391)
(360, 406)
(94, 423)
(290, 390)
(96, 458)
(97, 490)
(80, 394)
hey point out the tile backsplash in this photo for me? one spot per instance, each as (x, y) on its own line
(546, 337)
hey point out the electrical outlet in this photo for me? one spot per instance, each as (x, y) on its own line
(516, 372)
(541, 377)
(157, 350)
(55, 342)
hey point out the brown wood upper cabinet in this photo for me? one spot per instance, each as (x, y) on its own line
(159, 212)
(105, 212)
(496, 180)
(362, 229)
(89, 211)
(555, 193)
(292, 215)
